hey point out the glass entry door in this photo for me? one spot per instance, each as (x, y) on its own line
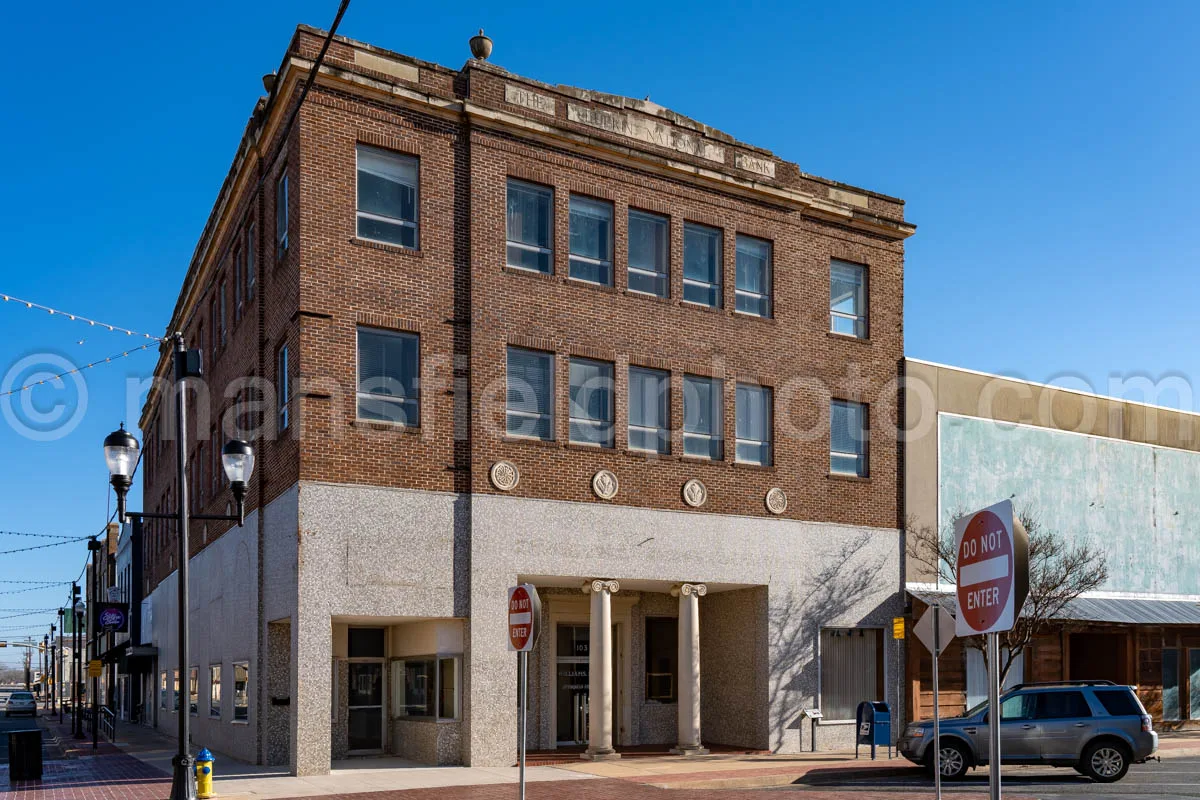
(571, 684)
(366, 707)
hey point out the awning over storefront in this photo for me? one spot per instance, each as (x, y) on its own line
(1115, 610)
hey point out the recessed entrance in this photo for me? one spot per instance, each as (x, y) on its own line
(365, 710)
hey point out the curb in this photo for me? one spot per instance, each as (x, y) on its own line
(821, 776)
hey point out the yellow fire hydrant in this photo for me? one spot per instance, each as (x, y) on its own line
(204, 774)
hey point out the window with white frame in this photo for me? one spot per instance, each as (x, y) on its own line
(389, 376)
(241, 691)
(753, 288)
(283, 386)
(387, 196)
(591, 240)
(251, 272)
(214, 690)
(530, 222)
(702, 417)
(848, 299)
(851, 670)
(426, 687)
(848, 438)
(702, 265)
(530, 394)
(281, 214)
(649, 410)
(753, 424)
(591, 402)
(649, 253)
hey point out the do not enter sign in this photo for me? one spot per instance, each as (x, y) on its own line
(992, 567)
(524, 618)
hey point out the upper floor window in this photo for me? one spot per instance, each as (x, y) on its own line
(283, 387)
(702, 420)
(649, 253)
(649, 410)
(239, 276)
(848, 298)
(530, 394)
(848, 438)
(753, 424)
(222, 290)
(591, 402)
(530, 226)
(591, 240)
(702, 265)
(387, 196)
(388, 376)
(281, 214)
(753, 276)
(214, 327)
(251, 272)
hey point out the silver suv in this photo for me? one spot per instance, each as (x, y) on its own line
(1096, 727)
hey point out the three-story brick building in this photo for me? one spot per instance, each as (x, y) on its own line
(488, 330)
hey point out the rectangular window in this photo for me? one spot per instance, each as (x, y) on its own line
(848, 438)
(241, 692)
(649, 253)
(388, 376)
(753, 424)
(251, 272)
(162, 691)
(530, 394)
(591, 240)
(387, 196)
(281, 215)
(1171, 710)
(591, 402)
(649, 410)
(283, 386)
(848, 299)
(175, 691)
(194, 690)
(426, 687)
(224, 313)
(702, 265)
(851, 670)
(214, 690)
(702, 421)
(530, 226)
(753, 276)
(214, 327)
(239, 276)
(662, 659)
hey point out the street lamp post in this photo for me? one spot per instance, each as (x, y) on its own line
(94, 639)
(76, 613)
(121, 452)
(58, 677)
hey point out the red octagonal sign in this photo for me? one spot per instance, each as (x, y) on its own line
(524, 613)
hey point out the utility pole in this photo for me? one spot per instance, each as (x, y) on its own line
(76, 721)
(58, 676)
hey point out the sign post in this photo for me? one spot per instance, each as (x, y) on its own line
(524, 625)
(936, 632)
(992, 570)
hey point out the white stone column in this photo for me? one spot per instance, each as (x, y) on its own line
(689, 595)
(600, 657)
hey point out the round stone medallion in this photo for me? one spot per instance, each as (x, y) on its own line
(605, 484)
(776, 501)
(695, 493)
(505, 475)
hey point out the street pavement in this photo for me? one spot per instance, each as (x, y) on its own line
(11, 724)
(1174, 777)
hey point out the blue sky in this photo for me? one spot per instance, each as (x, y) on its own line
(1046, 151)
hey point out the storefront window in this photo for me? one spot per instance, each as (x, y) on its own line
(426, 687)
(1170, 684)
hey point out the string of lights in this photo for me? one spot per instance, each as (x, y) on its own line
(31, 613)
(42, 546)
(108, 360)
(34, 536)
(76, 317)
(33, 588)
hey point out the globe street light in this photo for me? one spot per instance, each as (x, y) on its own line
(121, 453)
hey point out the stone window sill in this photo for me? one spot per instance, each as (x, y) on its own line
(377, 425)
(588, 448)
(845, 337)
(528, 273)
(530, 440)
(755, 467)
(387, 248)
(834, 476)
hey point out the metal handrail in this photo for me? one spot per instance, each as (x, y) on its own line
(108, 723)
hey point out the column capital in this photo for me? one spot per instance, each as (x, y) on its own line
(600, 585)
(686, 589)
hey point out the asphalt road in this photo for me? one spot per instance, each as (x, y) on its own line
(10, 723)
(1174, 777)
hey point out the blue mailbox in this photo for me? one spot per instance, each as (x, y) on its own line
(874, 726)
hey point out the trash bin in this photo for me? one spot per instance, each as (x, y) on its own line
(25, 755)
(874, 726)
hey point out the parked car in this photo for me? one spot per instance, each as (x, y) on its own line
(20, 703)
(1096, 727)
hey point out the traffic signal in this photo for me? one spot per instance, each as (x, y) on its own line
(3, 644)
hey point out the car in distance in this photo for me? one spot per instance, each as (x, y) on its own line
(20, 703)
(1096, 727)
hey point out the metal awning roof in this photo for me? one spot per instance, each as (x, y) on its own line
(1118, 610)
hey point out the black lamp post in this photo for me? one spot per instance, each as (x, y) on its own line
(237, 457)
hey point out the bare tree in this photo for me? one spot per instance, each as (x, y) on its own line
(1059, 571)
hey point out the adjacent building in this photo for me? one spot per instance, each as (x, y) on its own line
(1120, 476)
(486, 330)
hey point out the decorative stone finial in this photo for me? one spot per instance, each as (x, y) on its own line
(481, 46)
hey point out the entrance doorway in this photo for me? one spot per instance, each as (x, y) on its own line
(571, 687)
(366, 676)
(1099, 656)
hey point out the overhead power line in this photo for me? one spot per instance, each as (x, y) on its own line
(76, 317)
(108, 360)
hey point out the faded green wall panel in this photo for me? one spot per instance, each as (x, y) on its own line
(1140, 504)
